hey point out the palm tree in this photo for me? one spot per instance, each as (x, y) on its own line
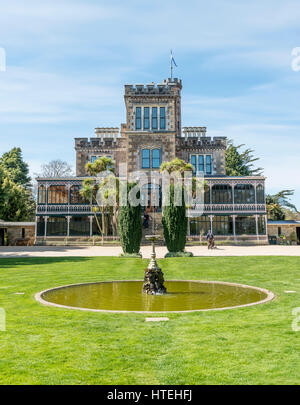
(97, 190)
(276, 204)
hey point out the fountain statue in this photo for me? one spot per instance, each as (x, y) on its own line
(154, 277)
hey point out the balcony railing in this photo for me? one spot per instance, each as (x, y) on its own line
(207, 208)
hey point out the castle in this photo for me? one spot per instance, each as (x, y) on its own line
(234, 206)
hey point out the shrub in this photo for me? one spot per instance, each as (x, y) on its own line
(179, 254)
(131, 255)
(174, 221)
(130, 224)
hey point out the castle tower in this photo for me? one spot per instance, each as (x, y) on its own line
(153, 122)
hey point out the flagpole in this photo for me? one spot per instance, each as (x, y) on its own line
(171, 66)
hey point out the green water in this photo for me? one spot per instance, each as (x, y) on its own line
(128, 296)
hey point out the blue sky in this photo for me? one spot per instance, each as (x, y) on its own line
(67, 62)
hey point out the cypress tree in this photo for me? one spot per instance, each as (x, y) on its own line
(174, 221)
(130, 224)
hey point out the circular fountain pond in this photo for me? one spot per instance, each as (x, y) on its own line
(127, 296)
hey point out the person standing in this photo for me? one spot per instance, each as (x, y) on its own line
(210, 239)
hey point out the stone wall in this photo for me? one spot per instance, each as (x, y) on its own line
(286, 230)
(204, 145)
(164, 141)
(86, 148)
(14, 234)
(167, 94)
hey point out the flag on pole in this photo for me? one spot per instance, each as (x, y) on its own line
(172, 59)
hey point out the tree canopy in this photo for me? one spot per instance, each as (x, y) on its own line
(15, 167)
(16, 199)
(278, 204)
(56, 168)
(241, 163)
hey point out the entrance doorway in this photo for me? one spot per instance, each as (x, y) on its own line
(2, 236)
(298, 235)
(151, 197)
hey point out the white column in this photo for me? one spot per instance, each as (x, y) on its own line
(91, 226)
(233, 223)
(45, 233)
(36, 222)
(256, 226)
(68, 225)
(211, 222)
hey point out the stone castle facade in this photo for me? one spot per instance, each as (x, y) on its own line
(234, 206)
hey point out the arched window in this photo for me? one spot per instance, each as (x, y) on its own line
(75, 196)
(244, 194)
(260, 194)
(155, 158)
(146, 158)
(42, 194)
(57, 194)
(221, 194)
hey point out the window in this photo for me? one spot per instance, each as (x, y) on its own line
(201, 163)
(138, 118)
(155, 158)
(222, 225)
(260, 194)
(23, 233)
(261, 225)
(146, 158)
(79, 226)
(57, 226)
(146, 118)
(208, 164)
(194, 164)
(200, 225)
(245, 225)
(93, 158)
(42, 195)
(162, 123)
(40, 226)
(244, 194)
(57, 195)
(279, 230)
(198, 163)
(154, 118)
(75, 196)
(221, 194)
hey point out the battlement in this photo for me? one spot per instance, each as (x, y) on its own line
(107, 132)
(190, 132)
(167, 87)
(99, 143)
(217, 142)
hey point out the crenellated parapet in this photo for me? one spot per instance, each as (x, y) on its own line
(202, 142)
(98, 144)
(93, 148)
(167, 87)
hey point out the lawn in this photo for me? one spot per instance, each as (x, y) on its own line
(47, 345)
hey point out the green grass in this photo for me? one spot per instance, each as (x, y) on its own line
(47, 345)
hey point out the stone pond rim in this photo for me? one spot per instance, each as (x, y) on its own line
(266, 296)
